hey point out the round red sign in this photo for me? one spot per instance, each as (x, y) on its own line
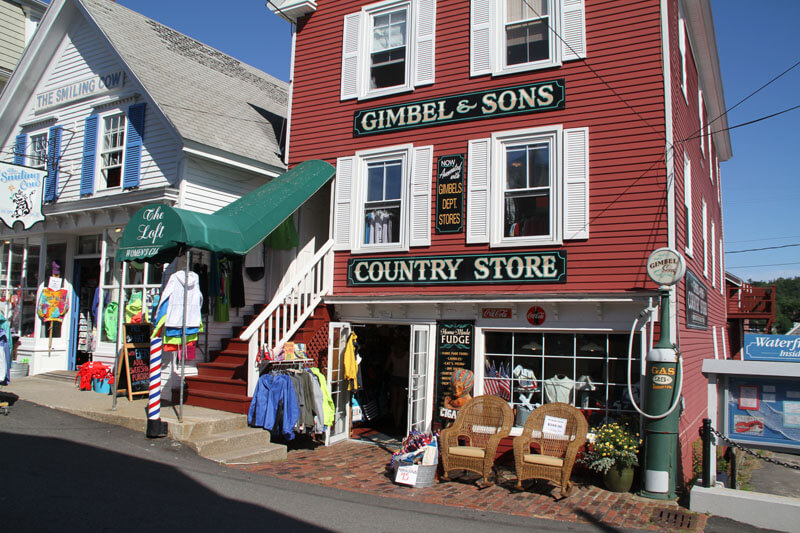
(536, 315)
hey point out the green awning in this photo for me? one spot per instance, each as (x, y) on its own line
(158, 232)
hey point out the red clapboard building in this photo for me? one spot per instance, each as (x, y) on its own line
(503, 171)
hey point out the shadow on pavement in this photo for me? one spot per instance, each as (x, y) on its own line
(54, 484)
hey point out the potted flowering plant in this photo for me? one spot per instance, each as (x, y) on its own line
(613, 453)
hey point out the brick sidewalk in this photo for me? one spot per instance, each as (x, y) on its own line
(361, 467)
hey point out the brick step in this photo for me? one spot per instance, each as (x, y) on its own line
(222, 370)
(216, 384)
(232, 403)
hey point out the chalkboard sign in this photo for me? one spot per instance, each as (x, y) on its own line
(454, 349)
(133, 372)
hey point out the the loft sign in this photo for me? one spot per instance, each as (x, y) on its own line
(530, 98)
(531, 267)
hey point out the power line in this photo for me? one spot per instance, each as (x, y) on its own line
(768, 239)
(742, 124)
(728, 267)
(765, 248)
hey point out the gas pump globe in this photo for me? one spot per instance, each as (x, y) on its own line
(662, 386)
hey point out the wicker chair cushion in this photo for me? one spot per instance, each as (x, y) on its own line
(467, 451)
(539, 459)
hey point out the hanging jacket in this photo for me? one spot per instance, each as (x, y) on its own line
(174, 293)
(319, 409)
(328, 407)
(274, 391)
(110, 321)
(5, 351)
(350, 364)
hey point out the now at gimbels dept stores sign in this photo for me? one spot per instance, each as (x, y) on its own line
(21, 195)
(531, 267)
(530, 98)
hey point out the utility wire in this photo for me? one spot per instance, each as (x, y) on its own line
(765, 248)
(743, 123)
(727, 267)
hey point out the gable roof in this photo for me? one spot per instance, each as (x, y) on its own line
(213, 101)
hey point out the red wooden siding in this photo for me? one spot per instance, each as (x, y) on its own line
(628, 202)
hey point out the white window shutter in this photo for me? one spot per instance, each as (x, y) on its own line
(343, 202)
(478, 191)
(350, 56)
(425, 64)
(573, 14)
(576, 183)
(420, 206)
(480, 37)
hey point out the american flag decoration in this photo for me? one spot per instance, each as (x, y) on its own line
(495, 384)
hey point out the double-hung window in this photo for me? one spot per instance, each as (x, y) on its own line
(383, 199)
(38, 151)
(387, 48)
(528, 187)
(383, 206)
(508, 36)
(112, 149)
(527, 31)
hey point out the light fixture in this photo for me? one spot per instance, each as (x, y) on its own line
(591, 347)
(533, 345)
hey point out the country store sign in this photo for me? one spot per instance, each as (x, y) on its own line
(531, 98)
(532, 267)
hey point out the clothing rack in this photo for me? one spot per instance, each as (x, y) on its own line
(290, 362)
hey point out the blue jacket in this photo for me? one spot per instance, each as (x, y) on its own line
(271, 390)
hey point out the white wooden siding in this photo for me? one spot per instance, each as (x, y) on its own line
(12, 34)
(209, 186)
(82, 54)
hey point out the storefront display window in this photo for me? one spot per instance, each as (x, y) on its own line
(18, 285)
(585, 370)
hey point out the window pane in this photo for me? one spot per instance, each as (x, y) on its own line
(516, 167)
(527, 215)
(528, 343)
(527, 42)
(558, 344)
(498, 342)
(388, 53)
(539, 165)
(382, 225)
(394, 180)
(591, 345)
(517, 10)
(388, 69)
(375, 183)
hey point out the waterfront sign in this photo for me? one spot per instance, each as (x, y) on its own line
(450, 194)
(530, 267)
(762, 347)
(78, 90)
(21, 199)
(504, 101)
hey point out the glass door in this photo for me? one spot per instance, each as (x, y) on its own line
(417, 379)
(338, 332)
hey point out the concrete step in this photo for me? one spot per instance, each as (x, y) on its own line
(230, 442)
(194, 430)
(258, 454)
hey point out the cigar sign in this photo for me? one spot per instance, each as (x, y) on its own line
(529, 98)
(531, 267)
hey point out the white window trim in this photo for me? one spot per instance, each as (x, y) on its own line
(682, 47)
(556, 46)
(711, 242)
(359, 189)
(700, 108)
(721, 268)
(367, 14)
(100, 184)
(705, 239)
(552, 134)
(687, 201)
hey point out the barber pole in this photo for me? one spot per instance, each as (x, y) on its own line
(155, 427)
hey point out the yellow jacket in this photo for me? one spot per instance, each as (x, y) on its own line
(350, 364)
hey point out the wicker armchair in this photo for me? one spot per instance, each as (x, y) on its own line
(471, 442)
(556, 451)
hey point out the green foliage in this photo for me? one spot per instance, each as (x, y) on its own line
(787, 302)
(615, 444)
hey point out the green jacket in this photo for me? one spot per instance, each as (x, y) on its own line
(327, 405)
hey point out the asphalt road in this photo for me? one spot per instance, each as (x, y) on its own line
(60, 472)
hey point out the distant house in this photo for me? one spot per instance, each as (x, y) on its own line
(18, 20)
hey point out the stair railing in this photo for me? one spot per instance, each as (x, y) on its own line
(287, 311)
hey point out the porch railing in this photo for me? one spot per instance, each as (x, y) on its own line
(293, 304)
(747, 300)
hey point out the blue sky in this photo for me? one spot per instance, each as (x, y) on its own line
(760, 191)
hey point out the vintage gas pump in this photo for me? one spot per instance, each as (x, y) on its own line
(662, 386)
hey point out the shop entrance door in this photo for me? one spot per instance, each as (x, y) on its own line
(417, 379)
(338, 332)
